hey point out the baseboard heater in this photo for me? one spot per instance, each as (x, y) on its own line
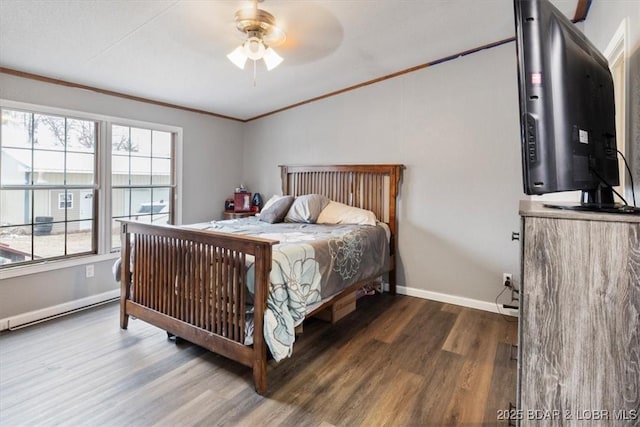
(37, 316)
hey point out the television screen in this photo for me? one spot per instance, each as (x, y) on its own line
(567, 109)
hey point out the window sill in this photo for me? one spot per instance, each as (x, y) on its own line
(45, 266)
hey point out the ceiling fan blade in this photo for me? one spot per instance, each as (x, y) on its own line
(313, 32)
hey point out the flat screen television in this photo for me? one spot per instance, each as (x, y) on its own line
(567, 110)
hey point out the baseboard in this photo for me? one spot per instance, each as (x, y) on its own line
(456, 300)
(56, 310)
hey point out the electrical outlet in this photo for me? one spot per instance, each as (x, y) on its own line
(507, 280)
(90, 270)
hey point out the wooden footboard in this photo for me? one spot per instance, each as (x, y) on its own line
(193, 284)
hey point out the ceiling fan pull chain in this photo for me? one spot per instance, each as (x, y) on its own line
(255, 72)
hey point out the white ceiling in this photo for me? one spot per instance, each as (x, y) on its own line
(174, 51)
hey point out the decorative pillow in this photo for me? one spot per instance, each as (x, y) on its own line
(306, 208)
(271, 201)
(339, 213)
(275, 209)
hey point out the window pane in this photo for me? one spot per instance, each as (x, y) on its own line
(16, 166)
(16, 127)
(48, 131)
(120, 202)
(141, 141)
(81, 207)
(161, 144)
(140, 170)
(15, 207)
(43, 225)
(161, 171)
(141, 204)
(161, 196)
(48, 167)
(115, 234)
(79, 236)
(120, 169)
(48, 240)
(81, 135)
(80, 167)
(45, 206)
(15, 244)
(161, 206)
(120, 142)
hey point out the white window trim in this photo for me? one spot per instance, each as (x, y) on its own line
(618, 49)
(104, 201)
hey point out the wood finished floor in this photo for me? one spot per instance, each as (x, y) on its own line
(395, 361)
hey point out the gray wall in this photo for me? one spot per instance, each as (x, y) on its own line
(212, 155)
(603, 21)
(455, 126)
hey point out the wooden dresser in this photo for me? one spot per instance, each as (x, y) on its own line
(579, 338)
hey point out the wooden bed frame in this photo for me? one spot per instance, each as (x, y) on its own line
(192, 283)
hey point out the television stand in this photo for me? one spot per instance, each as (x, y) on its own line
(598, 200)
(579, 323)
(611, 209)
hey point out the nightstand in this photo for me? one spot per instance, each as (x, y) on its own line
(236, 215)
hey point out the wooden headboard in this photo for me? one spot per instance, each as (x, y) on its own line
(373, 187)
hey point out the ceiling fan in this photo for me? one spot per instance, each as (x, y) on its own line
(261, 34)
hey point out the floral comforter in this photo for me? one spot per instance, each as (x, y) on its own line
(312, 262)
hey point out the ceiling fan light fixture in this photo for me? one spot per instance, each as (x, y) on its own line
(271, 59)
(238, 57)
(261, 32)
(254, 48)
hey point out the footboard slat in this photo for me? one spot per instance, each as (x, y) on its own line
(223, 299)
(217, 274)
(243, 298)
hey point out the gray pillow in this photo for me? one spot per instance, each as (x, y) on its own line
(277, 210)
(307, 208)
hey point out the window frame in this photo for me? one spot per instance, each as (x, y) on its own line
(53, 188)
(172, 186)
(102, 192)
(617, 54)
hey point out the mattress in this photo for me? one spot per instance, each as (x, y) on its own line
(311, 263)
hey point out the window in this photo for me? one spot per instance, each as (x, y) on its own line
(65, 200)
(142, 178)
(45, 161)
(66, 178)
